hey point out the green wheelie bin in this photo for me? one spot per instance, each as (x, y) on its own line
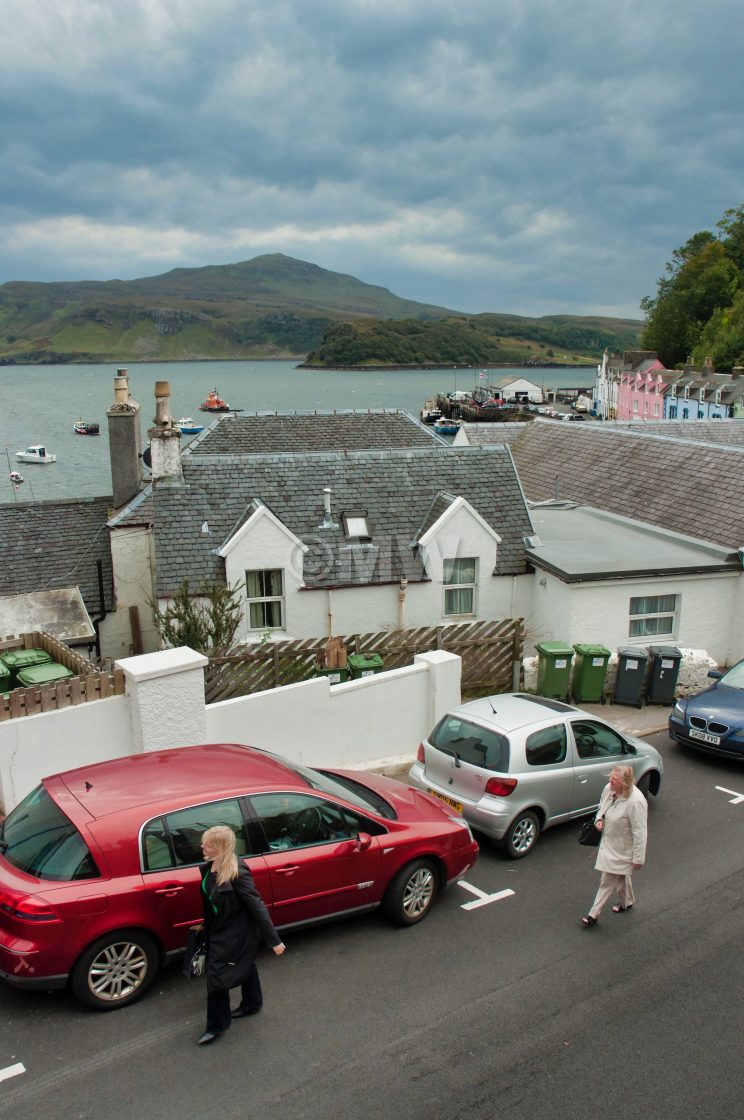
(590, 670)
(364, 665)
(554, 669)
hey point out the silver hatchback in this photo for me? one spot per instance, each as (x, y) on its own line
(514, 765)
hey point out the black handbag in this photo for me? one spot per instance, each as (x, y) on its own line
(195, 958)
(589, 834)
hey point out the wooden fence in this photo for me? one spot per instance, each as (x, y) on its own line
(488, 651)
(87, 684)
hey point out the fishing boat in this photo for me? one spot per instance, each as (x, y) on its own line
(447, 427)
(214, 403)
(36, 453)
(16, 477)
(86, 428)
(430, 413)
(188, 427)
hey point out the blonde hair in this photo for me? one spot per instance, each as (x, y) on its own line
(225, 865)
(627, 777)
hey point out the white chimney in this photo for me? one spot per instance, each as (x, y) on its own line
(165, 437)
(327, 522)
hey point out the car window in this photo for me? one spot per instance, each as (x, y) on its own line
(596, 740)
(40, 840)
(175, 839)
(735, 676)
(471, 743)
(297, 820)
(547, 746)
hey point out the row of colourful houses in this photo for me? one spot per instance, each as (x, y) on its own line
(637, 386)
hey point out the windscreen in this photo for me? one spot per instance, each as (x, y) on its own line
(40, 840)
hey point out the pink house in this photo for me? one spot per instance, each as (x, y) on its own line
(640, 392)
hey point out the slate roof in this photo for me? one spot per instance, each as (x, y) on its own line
(722, 432)
(396, 488)
(687, 486)
(486, 435)
(344, 430)
(54, 544)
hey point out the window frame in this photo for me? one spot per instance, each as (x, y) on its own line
(640, 616)
(250, 600)
(349, 515)
(447, 586)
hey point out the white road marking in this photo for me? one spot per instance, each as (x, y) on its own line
(736, 798)
(483, 899)
(12, 1071)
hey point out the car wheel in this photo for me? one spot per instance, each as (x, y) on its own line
(411, 893)
(522, 835)
(115, 970)
(644, 785)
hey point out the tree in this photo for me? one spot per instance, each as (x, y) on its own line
(206, 620)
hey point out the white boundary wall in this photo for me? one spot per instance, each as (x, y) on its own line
(368, 723)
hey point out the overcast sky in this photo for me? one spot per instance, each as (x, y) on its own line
(533, 156)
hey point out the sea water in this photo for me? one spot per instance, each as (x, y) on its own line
(40, 404)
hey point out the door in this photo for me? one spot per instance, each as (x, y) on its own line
(598, 749)
(315, 861)
(548, 777)
(171, 855)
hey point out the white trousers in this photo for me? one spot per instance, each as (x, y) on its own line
(608, 885)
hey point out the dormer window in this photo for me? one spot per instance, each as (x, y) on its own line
(355, 525)
(687, 392)
(701, 395)
(673, 392)
(718, 396)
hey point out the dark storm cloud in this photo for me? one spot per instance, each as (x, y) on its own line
(524, 155)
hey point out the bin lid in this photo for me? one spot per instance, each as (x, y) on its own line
(44, 674)
(362, 660)
(555, 649)
(591, 651)
(631, 651)
(21, 658)
(670, 653)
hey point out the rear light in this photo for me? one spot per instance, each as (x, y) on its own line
(420, 756)
(501, 787)
(26, 907)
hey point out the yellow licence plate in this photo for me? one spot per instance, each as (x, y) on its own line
(443, 797)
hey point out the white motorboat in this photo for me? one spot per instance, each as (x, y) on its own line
(36, 453)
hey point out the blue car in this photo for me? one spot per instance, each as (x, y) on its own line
(713, 720)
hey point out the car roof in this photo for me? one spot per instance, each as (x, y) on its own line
(165, 776)
(509, 711)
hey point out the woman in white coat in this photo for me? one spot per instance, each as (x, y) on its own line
(621, 818)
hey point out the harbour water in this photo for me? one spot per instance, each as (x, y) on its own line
(40, 404)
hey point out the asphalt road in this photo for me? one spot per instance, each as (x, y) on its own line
(510, 1009)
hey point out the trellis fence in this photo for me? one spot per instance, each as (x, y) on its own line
(88, 683)
(488, 651)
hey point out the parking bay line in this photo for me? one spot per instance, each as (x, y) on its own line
(12, 1071)
(736, 798)
(483, 899)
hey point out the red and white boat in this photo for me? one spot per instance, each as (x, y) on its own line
(214, 403)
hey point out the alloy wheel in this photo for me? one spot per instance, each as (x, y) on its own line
(419, 892)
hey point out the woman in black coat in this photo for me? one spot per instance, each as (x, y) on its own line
(235, 921)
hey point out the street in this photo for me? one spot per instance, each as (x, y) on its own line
(507, 1008)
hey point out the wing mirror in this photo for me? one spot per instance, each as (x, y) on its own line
(628, 748)
(363, 841)
(715, 674)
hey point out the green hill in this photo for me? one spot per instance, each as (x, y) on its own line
(271, 307)
(475, 340)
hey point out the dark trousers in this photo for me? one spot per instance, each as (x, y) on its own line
(218, 1002)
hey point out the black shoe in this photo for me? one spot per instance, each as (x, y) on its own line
(208, 1036)
(241, 1013)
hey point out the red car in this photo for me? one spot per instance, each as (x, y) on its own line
(99, 877)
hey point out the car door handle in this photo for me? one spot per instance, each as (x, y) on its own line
(170, 891)
(583, 781)
(288, 870)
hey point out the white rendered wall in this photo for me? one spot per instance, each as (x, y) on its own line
(33, 747)
(132, 561)
(598, 613)
(373, 720)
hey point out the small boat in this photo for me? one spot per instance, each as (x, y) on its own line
(188, 427)
(214, 403)
(447, 427)
(86, 428)
(36, 453)
(430, 413)
(16, 477)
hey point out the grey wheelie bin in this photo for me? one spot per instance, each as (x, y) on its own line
(590, 670)
(631, 676)
(662, 679)
(554, 669)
